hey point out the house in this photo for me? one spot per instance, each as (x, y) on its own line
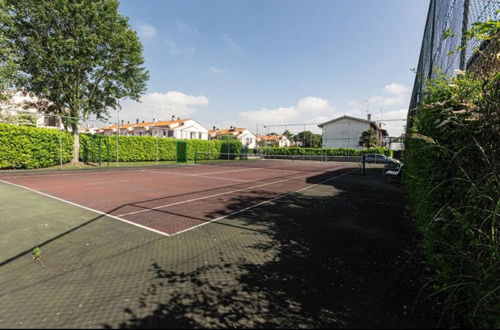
(345, 132)
(243, 135)
(19, 109)
(175, 128)
(273, 141)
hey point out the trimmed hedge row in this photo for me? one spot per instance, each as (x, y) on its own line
(147, 148)
(324, 151)
(31, 147)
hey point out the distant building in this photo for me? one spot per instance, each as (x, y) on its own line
(247, 138)
(273, 141)
(21, 104)
(175, 128)
(345, 132)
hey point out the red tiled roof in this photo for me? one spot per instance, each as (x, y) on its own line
(226, 131)
(271, 137)
(146, 124)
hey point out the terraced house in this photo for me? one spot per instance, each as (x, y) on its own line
(175, 128)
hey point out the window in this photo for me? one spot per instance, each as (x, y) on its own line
(170, 133)
(200, 136)
(50, 121)
(164, 133)
(193, 135)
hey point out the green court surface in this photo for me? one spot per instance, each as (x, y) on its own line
(335, 255)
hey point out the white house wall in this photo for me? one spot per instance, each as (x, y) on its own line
(343, 133)
(252, 142)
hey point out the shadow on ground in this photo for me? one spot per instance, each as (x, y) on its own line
(341, 254)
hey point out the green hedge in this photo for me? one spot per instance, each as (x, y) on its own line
(324, 151)
(147, 148)
(451, 174)
(30, 147)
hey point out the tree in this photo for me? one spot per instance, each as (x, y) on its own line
(308, 139)
(368, 138)
(80, 55)
(288, 134)
(7, 67)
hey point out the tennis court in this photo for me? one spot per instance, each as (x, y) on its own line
(170, 200)
(248, 243)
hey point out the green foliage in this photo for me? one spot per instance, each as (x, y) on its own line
(368, 139)
(324, 151)
(18, 119)
(30, 147)
(451, 175)
(288, 134)
(147, 148)
(308, 139)
(81, 55)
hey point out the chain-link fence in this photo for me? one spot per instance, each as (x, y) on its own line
(31, 139)
(444, 47)
(343, 134)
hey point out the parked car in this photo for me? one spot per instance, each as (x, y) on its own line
(380, 159)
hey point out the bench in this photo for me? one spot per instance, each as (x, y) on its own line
(393, 173)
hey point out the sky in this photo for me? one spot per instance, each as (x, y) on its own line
(263, 63)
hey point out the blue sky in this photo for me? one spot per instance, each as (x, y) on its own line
(245, 63)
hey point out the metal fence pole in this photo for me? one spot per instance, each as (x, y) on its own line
(157, 151)
(60, 149)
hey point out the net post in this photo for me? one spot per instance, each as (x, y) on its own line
(364, 164)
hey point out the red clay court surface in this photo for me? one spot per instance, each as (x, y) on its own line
(172, 200)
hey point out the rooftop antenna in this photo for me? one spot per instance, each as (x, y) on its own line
(367, 103)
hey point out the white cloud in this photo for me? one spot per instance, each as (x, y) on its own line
(161, 106)
(390, 105)
(398, 96)
(307, 110)
(147, 31)
(396, 88)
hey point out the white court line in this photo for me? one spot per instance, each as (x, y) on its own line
(196, 175)
(215, 195)
(262, 203)
(89, 209)
(277, 167)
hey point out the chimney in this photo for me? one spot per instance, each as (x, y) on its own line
(178, 118)
(137, 121)
(128, 122)
(213, 128)
(369, 116)
(173, 117)
(143, 121)
(154, 120)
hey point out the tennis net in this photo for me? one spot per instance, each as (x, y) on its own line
(291, 162)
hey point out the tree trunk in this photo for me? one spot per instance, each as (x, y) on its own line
(76, 144)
